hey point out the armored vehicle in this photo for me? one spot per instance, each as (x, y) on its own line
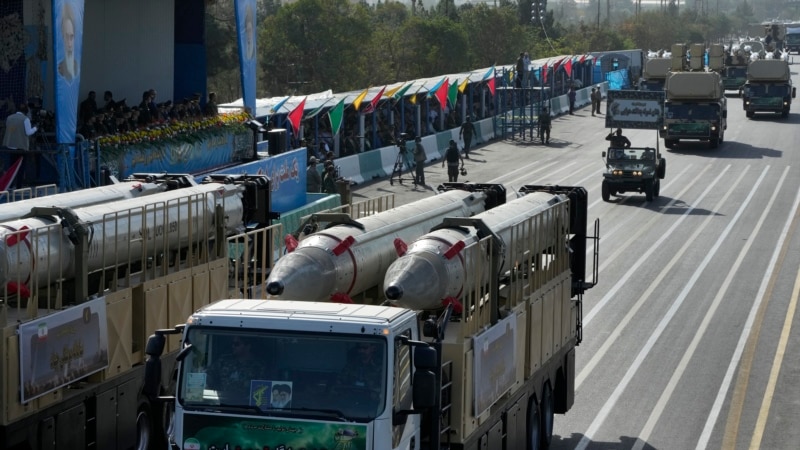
(635, 169)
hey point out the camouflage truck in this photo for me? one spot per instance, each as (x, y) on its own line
(768, 88)
(655, 74)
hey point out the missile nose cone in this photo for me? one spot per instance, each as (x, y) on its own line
(394, 292)
(275, 288)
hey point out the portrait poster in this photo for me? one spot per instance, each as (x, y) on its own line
(67, 44)
(63, 347)
(247, 33)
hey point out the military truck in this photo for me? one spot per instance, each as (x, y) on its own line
(634, 169)
(734, 74)
(768, 88)
(655, 74)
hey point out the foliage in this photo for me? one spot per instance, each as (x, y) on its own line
(172, 133)
(309, 46)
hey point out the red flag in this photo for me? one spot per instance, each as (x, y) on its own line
(555, 66)
(583, 58)
(568, 66)
(441, 94)
(8, 177)
(544, 73)
(377, 98)
(491, 85)
(297, 115)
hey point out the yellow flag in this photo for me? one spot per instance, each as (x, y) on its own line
(359, 99)
(392, 91)
(463, 85)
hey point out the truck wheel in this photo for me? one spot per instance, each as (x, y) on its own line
(657, 189)
(144, 426)
(547, 415)
(605, 191)
(534, 420)
(713, 142)
(749, 114)
(648, 190)
(661, 172)
(669, 143)
(785, 113)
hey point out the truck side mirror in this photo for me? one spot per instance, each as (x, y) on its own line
(603, 154)
(794, 92)
(725, 114)
(426, 387)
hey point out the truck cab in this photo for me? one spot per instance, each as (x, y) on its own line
(635, 169)
(768, 88)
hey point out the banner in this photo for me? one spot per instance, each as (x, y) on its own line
(246, 30)
(67, 43)
(63, 347)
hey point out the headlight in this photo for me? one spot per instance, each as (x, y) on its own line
(616, 172)
(713, 128)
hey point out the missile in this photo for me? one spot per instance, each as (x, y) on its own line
(434, 268)
(138, 186)
(39, 250)
(346, 259)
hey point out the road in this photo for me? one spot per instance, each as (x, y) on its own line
(691, 333)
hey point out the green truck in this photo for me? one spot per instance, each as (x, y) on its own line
(768, 88)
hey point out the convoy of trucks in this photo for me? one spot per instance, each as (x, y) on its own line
(768, 88)
(485, 362)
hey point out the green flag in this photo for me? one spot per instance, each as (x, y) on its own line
(399, 94)
(335, 115)
(452, 93)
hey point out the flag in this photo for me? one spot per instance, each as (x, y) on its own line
(441, 94)
(377, 98)
(297, 115)
(399, 94)
(568, 67)
(544, 73)
(555, 66)
(359, 99)
(583, 58)
(317, 110)
(435, 88)
(391, 92)
(452, 93)
(489, 73)
(491, 85)
(8, 177)
(335, 115)
(463, 86)
(279, 105)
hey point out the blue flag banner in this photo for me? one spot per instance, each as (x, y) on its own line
(246, 30)
(67, 43)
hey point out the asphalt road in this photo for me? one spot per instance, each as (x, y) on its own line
(691, 334)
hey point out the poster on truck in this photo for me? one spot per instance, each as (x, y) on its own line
(495, 363)
(210, 431)
(63, 347)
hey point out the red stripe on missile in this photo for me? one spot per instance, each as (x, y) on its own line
(454, 250)
(290, 242)
(21, 289)
(16, 238)
(458, 308)
(400, 247)
(343, 246)
(341, 297)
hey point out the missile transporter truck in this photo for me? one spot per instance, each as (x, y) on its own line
(768, 88)
(655, 74)
(636, 169)
(81, 289)
(695, 107)
(484, 368)
(734, 74)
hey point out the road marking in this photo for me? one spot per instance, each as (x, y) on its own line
(619, 284)
(621, 326)
(605, 410)
(780, 353)
(746, 343)
(701, 329)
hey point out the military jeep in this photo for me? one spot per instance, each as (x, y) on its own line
(636, 169)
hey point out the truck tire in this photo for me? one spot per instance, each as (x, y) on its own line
(548, 415)
(713, 142)
(534, 424)
(749, 114)
(661, 172)
(144, 426)
(649, 188)
(670, 143)
(657, 189)
(605, 191)
(785, 113)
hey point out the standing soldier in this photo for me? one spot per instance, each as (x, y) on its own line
(544, 125)
(466, 132)
(419, 160)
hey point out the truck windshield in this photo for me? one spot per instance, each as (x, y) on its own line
(793, 38)
(286, 373)
(766, 90)
(707, 111)
(736, 72)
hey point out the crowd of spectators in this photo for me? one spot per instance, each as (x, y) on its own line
(116, 116)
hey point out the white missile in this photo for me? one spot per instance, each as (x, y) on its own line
(38, 249)
(433, 269)
(345, 260)
(84, 197)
